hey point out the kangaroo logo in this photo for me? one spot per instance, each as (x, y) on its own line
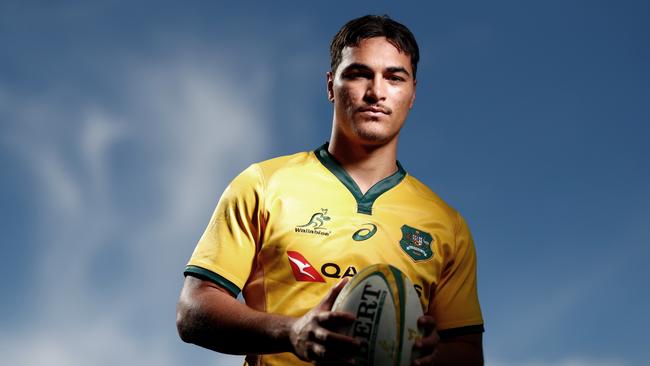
(316, 224)
(317, 220)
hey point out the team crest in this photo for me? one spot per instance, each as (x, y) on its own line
(416, 243)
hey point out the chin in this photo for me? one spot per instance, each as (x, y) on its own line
(373, 136)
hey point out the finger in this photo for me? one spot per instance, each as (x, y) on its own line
(344, 345)
(427, 344)
(427, 324)
(331, 296)
(335, 319)
(315, 351)
(329, 355)
(339, 322)
(422, 361)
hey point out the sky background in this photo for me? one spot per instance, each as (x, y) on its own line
(122, 122)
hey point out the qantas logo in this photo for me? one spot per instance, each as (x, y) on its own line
(302, 269)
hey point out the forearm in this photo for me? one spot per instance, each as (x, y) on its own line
(459, 352)
(213, 319)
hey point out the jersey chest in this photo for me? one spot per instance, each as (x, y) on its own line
(314, 238)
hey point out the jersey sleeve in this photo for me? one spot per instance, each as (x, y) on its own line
(456, 307)
(226, 252)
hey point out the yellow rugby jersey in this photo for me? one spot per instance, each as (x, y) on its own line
(288, 229)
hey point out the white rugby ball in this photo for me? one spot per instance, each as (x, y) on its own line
(387, 309)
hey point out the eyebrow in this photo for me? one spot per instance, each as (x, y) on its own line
(396, 69)
(360, 66)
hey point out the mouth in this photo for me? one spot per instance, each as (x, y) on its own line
(375, 110)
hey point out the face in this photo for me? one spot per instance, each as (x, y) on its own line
(372, 91)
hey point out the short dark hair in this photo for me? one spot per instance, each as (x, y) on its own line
(370, 26)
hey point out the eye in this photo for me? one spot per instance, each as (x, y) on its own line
(395, 78)
(356, 74)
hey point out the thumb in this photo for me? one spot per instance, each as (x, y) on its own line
(331, 296)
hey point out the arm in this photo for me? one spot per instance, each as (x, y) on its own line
(449, 351)
(208, 316)
(460, 350)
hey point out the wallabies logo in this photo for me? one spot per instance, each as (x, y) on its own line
(316, 224)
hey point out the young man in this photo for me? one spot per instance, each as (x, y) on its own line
(287, 230)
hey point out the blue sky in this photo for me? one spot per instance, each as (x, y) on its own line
(120, 125)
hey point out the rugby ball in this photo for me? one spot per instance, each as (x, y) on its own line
(387, 309)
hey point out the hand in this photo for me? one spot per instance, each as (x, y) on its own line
(314, 337)
(426, 346)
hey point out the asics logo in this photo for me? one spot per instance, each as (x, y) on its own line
(365, 233)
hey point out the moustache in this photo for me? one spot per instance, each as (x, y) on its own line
(375, 108)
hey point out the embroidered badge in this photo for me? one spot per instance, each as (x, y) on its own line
(417, 244)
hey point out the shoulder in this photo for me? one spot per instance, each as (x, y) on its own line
(287, 168)
(255, 184)
(268, 172)
(270, 167)
(430, 198)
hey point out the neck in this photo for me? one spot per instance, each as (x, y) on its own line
(366, 164)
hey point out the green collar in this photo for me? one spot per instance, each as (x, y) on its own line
(364, 201)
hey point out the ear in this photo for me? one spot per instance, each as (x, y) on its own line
(330, 86)
(415, 83)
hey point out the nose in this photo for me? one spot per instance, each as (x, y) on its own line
(375, 91)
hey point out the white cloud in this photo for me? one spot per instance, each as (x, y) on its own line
(98, 343)
(192, 122)
(99, 133)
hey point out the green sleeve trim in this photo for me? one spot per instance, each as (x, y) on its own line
(205, 274)
(364, 201)
(454, 332)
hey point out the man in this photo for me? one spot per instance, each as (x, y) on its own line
(287, 230)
